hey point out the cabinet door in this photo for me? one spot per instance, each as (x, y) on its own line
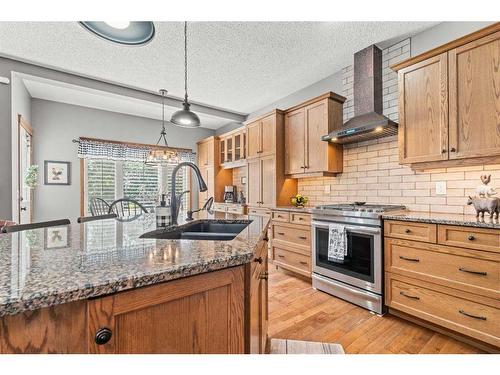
(295, 139)
(222, 150)
(268, 136)
(475, 98)
(229, 149)
(203, 154)
(253, 182)
(264, 301)
(253, 140)
(238, 146)
(268, 181)
(198, 314)
(316, 155)
(423, 111)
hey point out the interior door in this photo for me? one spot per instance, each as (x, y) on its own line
(268, 135)
(475, 98)
(267, 166)
(25, 143)
(316, 126)
(253, 140)
(253, 182)
(295, 142)
(423, 111)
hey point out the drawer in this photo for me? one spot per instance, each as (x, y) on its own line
(259, 211)
(220, 207)
(235, 209)
(296, 218)
(461, 269)
(296, 261)
(293, 235)
(451, 311)
(470, 238)
(410, 231)
(281, 216)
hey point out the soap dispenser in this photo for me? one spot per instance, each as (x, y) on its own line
(163, 217)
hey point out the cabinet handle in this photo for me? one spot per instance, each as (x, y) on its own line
(264, 276)
(281, 233)
(301, 219)
(471, 238)
(258, 260)
(453, 149)
(472, 316)
(280, 216)
(281, 256)
(409, 259)
(306, 167)
(408, 296)
(480, 273)
(304, 263)
(102, 336)
(407, 231)
(443, 151)
(303, 237)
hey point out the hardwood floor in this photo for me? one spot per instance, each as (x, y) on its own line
(298, 312)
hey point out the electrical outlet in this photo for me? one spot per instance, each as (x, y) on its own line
(441, 188)
(327, 189)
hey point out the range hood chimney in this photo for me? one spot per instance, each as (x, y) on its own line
(368, 121)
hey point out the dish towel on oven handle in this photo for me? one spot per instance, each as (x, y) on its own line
(337, 243)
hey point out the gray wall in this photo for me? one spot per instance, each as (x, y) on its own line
(55, 125)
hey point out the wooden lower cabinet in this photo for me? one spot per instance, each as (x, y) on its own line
(291, 241)
(452, 287)
(223, 312)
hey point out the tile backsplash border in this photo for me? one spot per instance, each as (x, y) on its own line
(372, 172)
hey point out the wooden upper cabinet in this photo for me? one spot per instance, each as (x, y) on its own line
(268, 181)
(295, 135)
(305, 153)
(206, 152)
(253, 139)
(268, 135)
(423, 111)
(475, 98)
(449, 103)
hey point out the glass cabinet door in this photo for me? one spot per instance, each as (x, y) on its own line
(229, 152)
(237, 147)
(222, 151)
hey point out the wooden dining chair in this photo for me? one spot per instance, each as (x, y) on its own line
(86, 219)
(127, 209)
(98, 206)
(42, 224)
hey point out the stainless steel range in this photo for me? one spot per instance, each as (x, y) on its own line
(359, 277)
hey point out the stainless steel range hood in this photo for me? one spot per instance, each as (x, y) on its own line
(368, 121)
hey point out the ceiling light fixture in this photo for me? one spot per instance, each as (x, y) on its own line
(133, 33)
(185, 117)
(160, 154)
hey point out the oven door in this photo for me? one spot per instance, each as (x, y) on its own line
(362, 266)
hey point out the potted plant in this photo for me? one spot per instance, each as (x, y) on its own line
(31, 176)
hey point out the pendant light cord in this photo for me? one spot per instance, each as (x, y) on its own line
(185, 62)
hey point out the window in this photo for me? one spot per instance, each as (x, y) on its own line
(111, 180)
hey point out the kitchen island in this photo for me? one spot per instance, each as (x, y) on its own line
(103, 289)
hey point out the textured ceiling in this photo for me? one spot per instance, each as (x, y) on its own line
(240, 66)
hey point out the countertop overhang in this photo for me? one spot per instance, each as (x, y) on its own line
(107, 256)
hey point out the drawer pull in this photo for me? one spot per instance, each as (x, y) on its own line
(264, 276)
(408, 296)
(304, 263)
(481, 273)
(280, 216)
(472, 316)
(258, 260)
(281, 233)
(303, 237)
(409, 259)
(407, 231)
(281, 256)
(301, 218)
(471, 238)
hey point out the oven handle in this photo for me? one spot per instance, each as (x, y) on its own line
(356, 229)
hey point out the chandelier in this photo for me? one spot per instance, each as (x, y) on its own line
(160, 153)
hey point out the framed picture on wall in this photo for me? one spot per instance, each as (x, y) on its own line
(57, 172)
(57, 237)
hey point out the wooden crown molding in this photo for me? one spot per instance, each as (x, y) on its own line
(448, 46)
(329, 95)
(273, 112)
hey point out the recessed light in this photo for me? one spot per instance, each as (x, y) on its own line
(379, 129)
(122, 32)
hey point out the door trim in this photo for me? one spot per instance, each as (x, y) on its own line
(22, 123)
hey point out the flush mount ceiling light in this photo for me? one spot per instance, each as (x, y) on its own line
(185, 117)
(122, 32)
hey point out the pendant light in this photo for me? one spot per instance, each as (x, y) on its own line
(134, 33)
(185, 117)
(160, 153)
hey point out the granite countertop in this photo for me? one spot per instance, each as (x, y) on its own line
(441, 218)
(306, 210)
(39, 268)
